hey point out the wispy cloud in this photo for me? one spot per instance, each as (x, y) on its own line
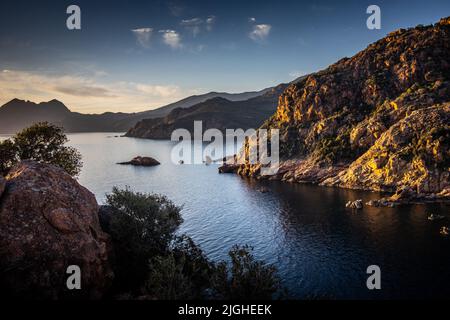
(197, 25)
(158, 91)
(87, 94)
(192, 25)
(143, 36)
(210, 21)
(85, 91)
(297, 74)
(260, 32)
(172, 38)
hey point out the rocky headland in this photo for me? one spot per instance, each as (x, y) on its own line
(378, 121)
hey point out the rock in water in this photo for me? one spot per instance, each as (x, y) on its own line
(47, 223)
(358, 204)
(142, 162)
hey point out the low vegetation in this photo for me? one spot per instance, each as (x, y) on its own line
(153, 262)
(42, 142)
(150, 260)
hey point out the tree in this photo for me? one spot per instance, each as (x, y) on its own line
(142, 226)
(183, 274)
(44, 142)
(152, 261)
(8, 155)
(247, 279)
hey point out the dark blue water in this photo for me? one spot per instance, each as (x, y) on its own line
(320, 248)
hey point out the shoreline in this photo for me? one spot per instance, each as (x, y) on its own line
(321, 177)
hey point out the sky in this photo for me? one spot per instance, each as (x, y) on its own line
(131, 56)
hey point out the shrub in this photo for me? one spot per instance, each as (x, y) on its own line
(183, 274)
(141, 226)
(247, 279)
(8, 155)
(150, 260)
(42, 142)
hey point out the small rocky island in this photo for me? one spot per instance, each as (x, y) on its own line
(141, 162)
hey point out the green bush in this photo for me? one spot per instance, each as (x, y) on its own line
(151, 261)
(8, 155)
(248, 278)
(142, 227)
(42, 142)
(183, 274)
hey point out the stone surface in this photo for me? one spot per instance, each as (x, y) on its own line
(141, 162)
(401, 162)
(47, 223)
(376, 121)
(357, 204)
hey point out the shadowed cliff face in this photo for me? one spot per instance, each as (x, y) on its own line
(335, 116)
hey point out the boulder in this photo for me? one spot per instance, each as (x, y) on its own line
(141, 162)
(228, 168)
(357, 204)
(49, 222)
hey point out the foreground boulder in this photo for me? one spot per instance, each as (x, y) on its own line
(141, 162)
(47, 223)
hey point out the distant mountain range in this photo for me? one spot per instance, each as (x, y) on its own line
(18, 114)
(219, 113)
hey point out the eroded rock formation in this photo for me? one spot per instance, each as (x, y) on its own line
(47, 223)
(376, 121)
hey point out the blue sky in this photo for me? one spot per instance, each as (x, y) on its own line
(137, 55)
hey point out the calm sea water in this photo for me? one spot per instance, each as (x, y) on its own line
(320, 248)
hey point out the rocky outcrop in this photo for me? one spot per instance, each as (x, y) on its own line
(141, 162)
(47, 223)
(413, 154)
(376, 121)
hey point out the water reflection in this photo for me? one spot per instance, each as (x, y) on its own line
(320, 248)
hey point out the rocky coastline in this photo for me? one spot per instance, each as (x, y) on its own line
(378, 121)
